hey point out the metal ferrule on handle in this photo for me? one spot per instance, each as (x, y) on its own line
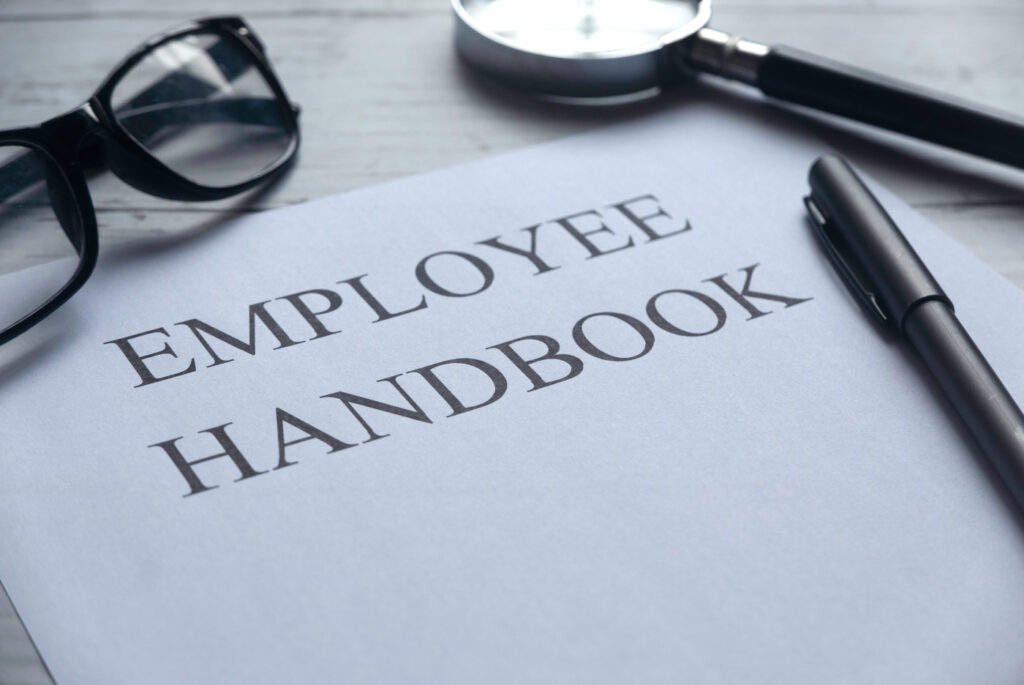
(725, 55)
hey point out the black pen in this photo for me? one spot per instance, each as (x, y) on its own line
(886, 275)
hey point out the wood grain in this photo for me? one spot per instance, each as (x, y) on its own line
(384, 97)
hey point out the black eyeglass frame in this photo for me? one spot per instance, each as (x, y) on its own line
(67, 140)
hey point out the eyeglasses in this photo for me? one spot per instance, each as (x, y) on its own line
(193, 114)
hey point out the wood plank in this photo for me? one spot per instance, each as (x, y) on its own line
(993, 233)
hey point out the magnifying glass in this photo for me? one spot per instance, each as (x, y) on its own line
(593, 49)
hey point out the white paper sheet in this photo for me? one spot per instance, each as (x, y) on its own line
(785, 500)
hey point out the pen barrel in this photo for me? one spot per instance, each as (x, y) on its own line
(977, 394)
(881, 265)
(825, 84)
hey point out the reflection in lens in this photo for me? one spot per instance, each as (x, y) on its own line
(32, 234)
(581, 28)
(201, 106)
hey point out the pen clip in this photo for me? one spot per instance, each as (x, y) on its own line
(855, 283)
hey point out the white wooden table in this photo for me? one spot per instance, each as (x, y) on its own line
(383, 97)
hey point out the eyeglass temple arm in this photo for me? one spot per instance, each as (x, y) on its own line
(23, 174)
(146, 123)
(168, 89)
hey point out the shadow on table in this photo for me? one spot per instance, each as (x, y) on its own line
(204, 228)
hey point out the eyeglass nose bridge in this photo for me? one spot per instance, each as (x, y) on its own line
(84, 139)
(78, 132)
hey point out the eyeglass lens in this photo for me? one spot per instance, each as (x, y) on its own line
(38, 219)
(200, 105)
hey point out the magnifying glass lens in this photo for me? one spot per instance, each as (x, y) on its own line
(581, 28)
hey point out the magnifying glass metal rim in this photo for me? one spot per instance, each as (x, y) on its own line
(599, 75)
(780, 72)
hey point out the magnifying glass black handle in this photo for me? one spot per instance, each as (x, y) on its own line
(807, 79)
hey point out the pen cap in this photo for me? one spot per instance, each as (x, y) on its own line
(867, 239)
